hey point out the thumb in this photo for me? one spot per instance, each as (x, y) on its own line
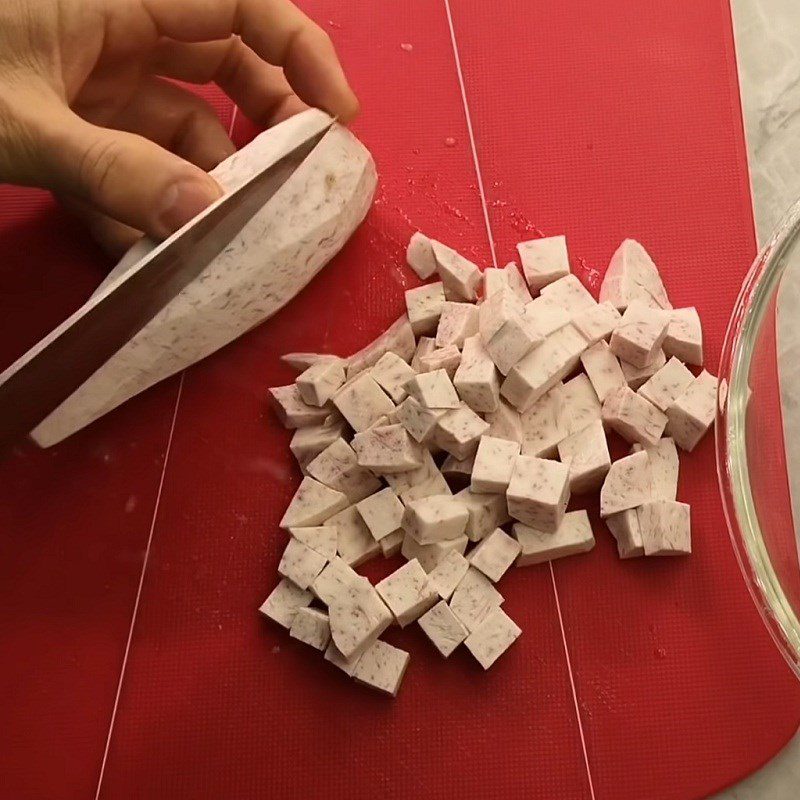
(127, 177)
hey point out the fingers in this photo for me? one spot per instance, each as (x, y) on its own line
(173, 118)
(177, 120)
(123, 175)
(112, 236)
(277, 31)
(259, 89)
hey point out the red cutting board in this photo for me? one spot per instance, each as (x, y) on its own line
(646, 679)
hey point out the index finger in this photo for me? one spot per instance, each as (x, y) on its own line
(277, 31)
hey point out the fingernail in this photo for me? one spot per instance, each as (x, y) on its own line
(183, 201)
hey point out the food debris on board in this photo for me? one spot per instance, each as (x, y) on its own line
(475, 387)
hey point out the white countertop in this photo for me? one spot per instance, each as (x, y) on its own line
(768, 49)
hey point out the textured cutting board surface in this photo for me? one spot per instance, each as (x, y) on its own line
(645, 679)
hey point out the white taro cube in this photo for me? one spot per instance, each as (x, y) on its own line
(362, 402)
(407, 592)
(443, 628)
(284, 601)
(580, 405)
(632, 275)
(473, 598)
(665, 527)
(692, 414)
(354, 542)
(546, 315)
(476, 379)
(458, 470)
(435, 519)
(425, 346)
(300, 564)
(446, 358)
(543, 260)
(300, 362)
(624, 527)
(391, 373)
(664, 468)
(337, 467)
(312, 627)
(633, 417)
(515, 339)
(639, 334)
(492, 637)
(544, 424)
(419, 420)
(431, 555)
(320, 538)
(495, 554)
(424, 481)
(636, 377)
(573, 535)
(516, 282)
(357, 617)
(667, 385)
(460, 276)
(312, 504)
(387, 448)
(348, 666)
(336, 580)
(494, 281)
(486, 512)
(292, 410)
(603, 370)
(538, 492)
(459, 431)
(597, 323)
(684, 338)
(308, 443)
(424, 305)
(382, 513)
(543, 367)
(320, 381)
(397, 338)
(447, 574)
(496, 310)
(382, 667)
(627, 484)
(457, 322)
(505, 423)
(586, 455)
(569, 293)
(391, 544)
(419, 255)
(433, 390)
(494, 462)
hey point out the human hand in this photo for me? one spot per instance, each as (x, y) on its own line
(85, 109)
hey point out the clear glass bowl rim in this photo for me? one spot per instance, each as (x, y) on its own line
(750, 312)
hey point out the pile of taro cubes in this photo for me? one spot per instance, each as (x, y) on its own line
(507, 386)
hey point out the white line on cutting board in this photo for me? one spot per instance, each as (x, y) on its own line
(494, 261)
(572, 680)
(471, 134)
(139, 589)
(146, 555)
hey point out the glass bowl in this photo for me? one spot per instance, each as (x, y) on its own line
(758, 432)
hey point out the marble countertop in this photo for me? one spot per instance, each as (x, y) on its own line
(768, 50)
